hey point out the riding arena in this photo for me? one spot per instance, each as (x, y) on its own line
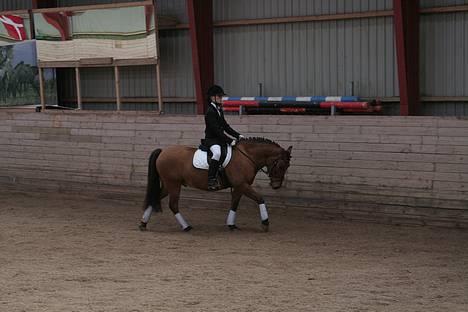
(344, 188)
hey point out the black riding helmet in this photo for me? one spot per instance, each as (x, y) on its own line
(215, 90)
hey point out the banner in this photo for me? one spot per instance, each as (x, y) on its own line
(14, 28)
(120, 33)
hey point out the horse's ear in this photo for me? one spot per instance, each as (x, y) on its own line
(289, 150)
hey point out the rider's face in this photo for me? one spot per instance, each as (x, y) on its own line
(218, 99)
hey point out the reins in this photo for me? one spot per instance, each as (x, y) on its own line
(253, 162)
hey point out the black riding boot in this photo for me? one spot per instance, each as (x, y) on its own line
(213, 184)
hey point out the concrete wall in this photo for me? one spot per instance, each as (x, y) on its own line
(387, 169)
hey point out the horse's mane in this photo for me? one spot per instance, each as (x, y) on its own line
(258, 140)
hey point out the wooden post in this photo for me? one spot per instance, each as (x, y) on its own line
(41, 88)
(158, 78)
(158, 59)
(117, 86)
(78, 87)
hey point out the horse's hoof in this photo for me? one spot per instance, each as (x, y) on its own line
(188, 228)
(142, 226)
(233, 227)
(265, 225)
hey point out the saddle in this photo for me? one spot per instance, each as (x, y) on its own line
(202, 157)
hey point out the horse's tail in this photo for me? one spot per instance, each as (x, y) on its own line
(153, 189)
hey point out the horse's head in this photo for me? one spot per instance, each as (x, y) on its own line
(277, 167)
(267, 153)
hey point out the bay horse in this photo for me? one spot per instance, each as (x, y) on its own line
(172, 167)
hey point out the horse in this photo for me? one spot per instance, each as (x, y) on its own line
(172, 167)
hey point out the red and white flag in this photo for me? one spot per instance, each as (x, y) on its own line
(14, 24)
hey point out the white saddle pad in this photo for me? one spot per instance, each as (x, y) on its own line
(200, 159)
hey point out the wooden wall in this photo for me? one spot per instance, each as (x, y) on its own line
(396, 170)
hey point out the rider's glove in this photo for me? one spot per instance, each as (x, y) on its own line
(233, 142)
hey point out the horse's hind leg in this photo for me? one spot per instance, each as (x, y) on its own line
(174, 195)
(149, 211)
(231, 218)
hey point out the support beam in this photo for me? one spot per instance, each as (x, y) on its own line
(200, 14)
(406, 20)
(319, 18)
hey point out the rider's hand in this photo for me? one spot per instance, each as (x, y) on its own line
(241, 136)
(233, 142)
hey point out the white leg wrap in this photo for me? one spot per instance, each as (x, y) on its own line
(147, 214)
(263, 212)
(181, 221)
(231, 218)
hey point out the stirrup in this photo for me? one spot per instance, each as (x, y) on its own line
(213, 185)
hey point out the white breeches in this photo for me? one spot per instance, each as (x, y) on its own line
(216, 150)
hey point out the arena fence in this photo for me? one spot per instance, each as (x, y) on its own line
(397, 170)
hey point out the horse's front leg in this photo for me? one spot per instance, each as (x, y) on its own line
(231, 218)
(248, 191)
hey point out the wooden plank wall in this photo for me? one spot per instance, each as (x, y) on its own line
(398, 170)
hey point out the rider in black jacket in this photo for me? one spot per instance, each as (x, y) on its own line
(216, 125)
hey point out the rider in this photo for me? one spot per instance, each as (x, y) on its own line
(216, 125)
